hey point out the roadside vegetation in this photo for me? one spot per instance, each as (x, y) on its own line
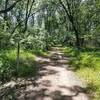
(8, 64)
(86, 63)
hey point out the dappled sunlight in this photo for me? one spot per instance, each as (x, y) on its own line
(52, 81)
(45, 45)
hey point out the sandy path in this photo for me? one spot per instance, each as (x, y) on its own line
(55, 81)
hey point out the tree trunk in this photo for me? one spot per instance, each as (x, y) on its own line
(5, 14)
(18, 55)
(77, 41)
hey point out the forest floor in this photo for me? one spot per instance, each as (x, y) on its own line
(54, 81)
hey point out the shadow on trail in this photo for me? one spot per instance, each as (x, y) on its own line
(42, 95)
(40, 86)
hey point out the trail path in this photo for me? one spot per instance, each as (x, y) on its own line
(55, 81)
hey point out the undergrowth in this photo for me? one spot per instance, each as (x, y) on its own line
(87, 65)
(27, 65)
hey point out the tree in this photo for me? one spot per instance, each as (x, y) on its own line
(22, 25)
(7, 9)
(71, 8)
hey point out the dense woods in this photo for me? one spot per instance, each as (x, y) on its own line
(63, 21)
(31, 27)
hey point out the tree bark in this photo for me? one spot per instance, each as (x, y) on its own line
(18, 54)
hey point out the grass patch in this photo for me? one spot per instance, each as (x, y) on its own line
(41, 53)
(92, 77)
(70, 52)
(87, 65)
(27, 66)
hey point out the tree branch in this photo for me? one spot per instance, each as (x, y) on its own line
(9, 8)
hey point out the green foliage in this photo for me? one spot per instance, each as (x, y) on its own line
(41, 53)
(87, 66)
(85, 60)
(4, 36)
(8, 64)
(36, 39)
(69, 51)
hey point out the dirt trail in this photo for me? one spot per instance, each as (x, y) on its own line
(55, 81)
